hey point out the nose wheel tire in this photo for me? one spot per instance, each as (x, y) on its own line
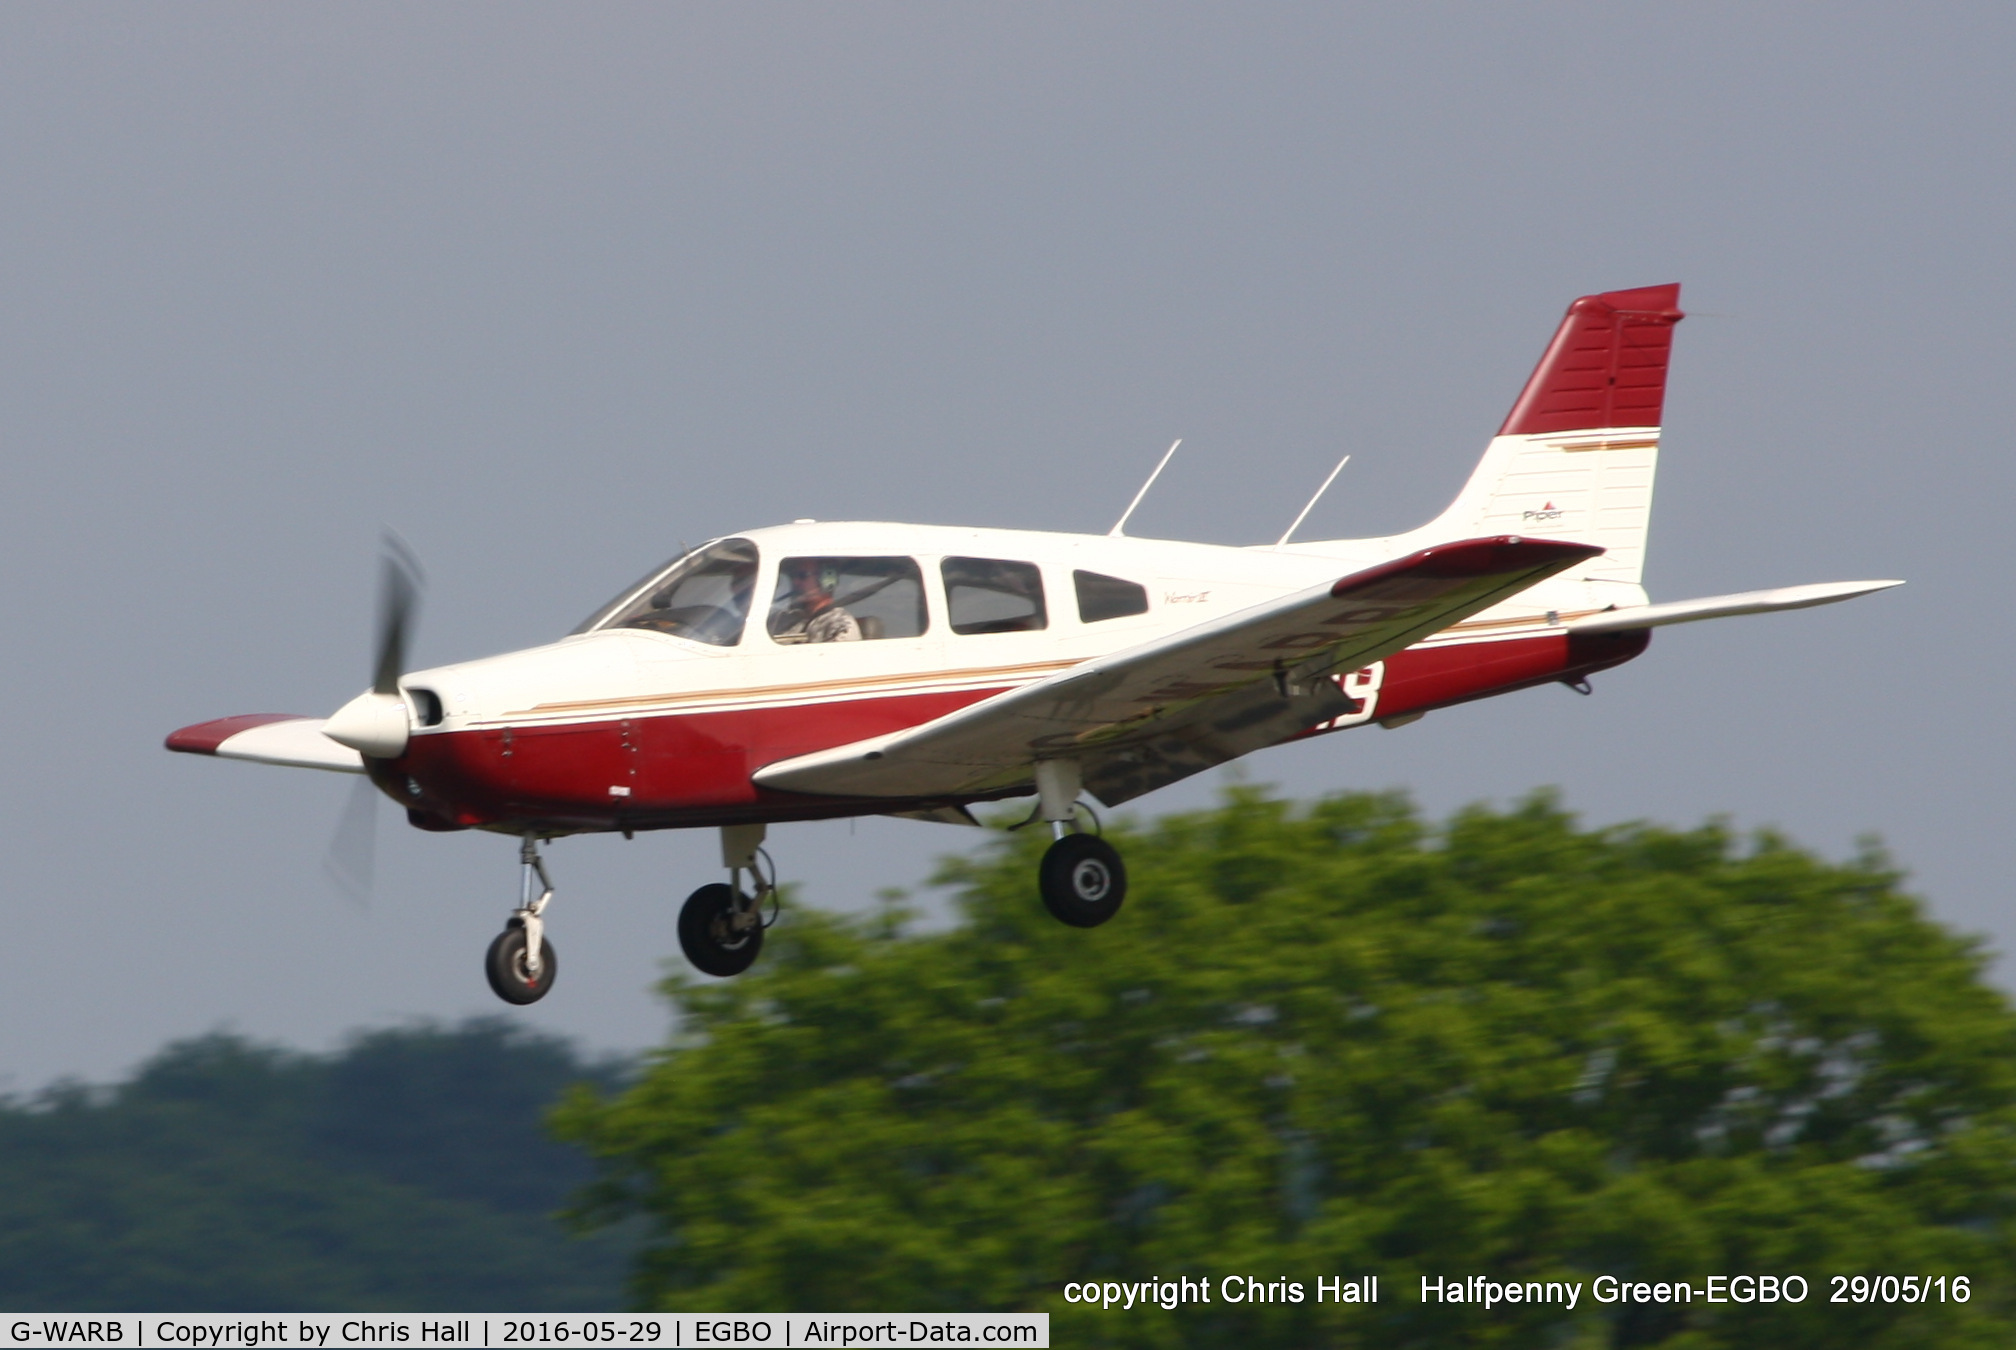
(1083, 880)
(709, 936)
(505, 966)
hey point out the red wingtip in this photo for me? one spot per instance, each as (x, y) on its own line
(205, 737)
(1606, 366)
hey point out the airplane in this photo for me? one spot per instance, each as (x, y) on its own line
(829, 669)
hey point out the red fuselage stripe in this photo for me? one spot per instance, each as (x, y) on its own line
(677, 769)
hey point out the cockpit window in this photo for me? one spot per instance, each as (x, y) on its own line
(704, 597)
(847, 600)
(1102, 597)
(990, 595)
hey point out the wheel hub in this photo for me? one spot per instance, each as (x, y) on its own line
(1090, 880)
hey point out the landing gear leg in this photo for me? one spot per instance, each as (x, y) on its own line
(721, 926)
(1082, 879)
(520, 964)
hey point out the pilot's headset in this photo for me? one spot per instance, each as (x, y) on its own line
(829, 577)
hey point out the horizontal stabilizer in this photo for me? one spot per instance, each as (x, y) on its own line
(268, 738)
(1723, 606)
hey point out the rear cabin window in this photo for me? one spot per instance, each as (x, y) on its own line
(704, 597)
(1103, 597)
(990, 595)
(846, 600)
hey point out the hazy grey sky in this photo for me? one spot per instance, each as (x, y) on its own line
(551, 289)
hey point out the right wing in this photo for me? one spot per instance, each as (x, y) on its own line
(1146, 717)
(268, 738)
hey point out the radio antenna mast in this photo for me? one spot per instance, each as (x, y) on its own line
(1119, 525)
(1296, 523)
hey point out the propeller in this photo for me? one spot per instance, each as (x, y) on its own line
(352, 859)
(376, 723)
(399, 584)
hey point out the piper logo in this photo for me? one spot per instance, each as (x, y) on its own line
(1547, 512)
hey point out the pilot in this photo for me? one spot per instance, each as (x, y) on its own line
(817, 618)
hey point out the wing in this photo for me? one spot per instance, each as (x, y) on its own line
(1148, 716)
(268, 738)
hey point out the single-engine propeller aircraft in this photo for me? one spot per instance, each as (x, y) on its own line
(823, 669)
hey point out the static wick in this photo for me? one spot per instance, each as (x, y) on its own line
(1119, 525)
(1296, 523)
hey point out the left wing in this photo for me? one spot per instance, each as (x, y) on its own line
(1148, 716)
(268, 738)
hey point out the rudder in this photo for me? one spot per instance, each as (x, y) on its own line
(1575, 457)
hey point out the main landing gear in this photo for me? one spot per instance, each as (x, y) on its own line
(520, 964)
(1082, 879)
(721, 925)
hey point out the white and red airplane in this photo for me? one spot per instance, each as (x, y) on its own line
(823, 669)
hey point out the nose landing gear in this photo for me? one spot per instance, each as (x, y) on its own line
(520, 964)
(721, 926)
(1081, 879)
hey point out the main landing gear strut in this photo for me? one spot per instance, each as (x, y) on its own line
(520, 963)
(1081, 878)
(721, 925)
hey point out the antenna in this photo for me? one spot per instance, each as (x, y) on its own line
(1114, 533)
(1297, 522)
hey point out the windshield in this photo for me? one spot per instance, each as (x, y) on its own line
(703, 597)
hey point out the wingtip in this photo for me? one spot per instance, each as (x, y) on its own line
(203, 738)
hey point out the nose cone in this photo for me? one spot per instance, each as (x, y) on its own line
(372, 724)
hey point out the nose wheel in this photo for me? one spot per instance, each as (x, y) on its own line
(513, 975)
(520, 964)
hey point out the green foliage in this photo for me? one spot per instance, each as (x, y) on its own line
(1330, 1042)
(410, 1171)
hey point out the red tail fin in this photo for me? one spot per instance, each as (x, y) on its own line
(1606, 366)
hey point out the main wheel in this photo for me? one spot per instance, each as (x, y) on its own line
(1083, 880)
(707, 934)
(505, 967)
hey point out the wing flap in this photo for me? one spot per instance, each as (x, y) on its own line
(268, 738)
(1169, 708)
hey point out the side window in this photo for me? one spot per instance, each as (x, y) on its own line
(704, 597)
(987, 595)
(1103, 597)
(846, 600)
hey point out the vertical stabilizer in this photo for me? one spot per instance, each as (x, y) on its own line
(1575, 457)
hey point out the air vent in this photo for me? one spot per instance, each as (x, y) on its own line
(427, 704)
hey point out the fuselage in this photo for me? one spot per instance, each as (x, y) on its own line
(659, 712)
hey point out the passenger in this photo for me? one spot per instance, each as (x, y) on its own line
(814, 616)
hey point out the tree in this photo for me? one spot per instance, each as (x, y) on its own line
(408, 1171)
(1332, 1042)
